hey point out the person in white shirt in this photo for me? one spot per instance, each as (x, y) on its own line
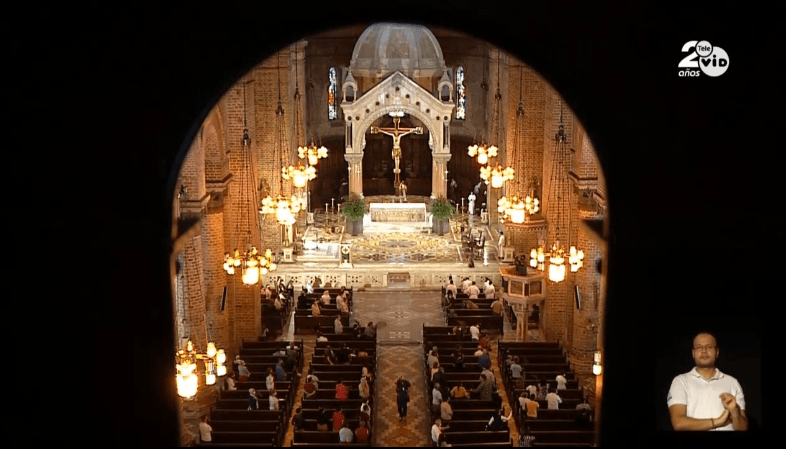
(553, 400)
(479, 352)
(473, 290)
(497, 421)
(243, 370)
(345, 434)
(231, 382)
(489, 291)
(584, 405)
(273, 401)
(561, 382)
(339, 301)
(437, 398)
(205, 429)
(321, 337)
(451, 288)
(465, 285)
(277, 303)
(705, 398)
(523, 400)
(532, 389)
(475, 332)
(337, 325)
(310, 286)
(437, 430)
(326, 297)
(516, 369)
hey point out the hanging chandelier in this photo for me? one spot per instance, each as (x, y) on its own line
(299, 174)
(483, 151)
(557, 266)
(250, 263)
(285, 208)
(186, 366)
(515, 209)
(575, 258)
(557, 254)
(537, 258)
(496, 176)
(312, 154)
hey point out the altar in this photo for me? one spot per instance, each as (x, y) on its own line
(397, 212)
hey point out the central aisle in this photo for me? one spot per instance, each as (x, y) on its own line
(399, 316)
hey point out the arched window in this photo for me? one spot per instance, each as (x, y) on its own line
(332, 94)
(460, 93)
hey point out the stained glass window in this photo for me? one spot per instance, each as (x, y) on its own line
(332, 93)
(460, 93)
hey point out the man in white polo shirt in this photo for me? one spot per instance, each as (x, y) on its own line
(705, 398)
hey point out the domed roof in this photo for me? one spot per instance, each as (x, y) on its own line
(387, 47)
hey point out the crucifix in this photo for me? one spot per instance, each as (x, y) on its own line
(396, 132)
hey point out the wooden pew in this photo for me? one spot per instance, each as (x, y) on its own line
(326, 393)
(562, 437)
(307, 438)
(221, 414)
(311, 424)
(259, 385)
(555, 425)
(243, 403)
(272, 345)
(491, 323)
(477, 438)
(331, 404)
(561, 414)
(247, 426)
(352, 343)
(350, 414)
(225, 437)
(307, 323)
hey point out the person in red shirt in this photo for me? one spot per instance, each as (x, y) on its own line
(338, 420)
(362, 433)
(341, 391)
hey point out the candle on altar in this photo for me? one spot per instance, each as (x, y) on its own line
(326, 208)
(331, 203)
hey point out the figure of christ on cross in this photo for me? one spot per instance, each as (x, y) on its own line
(396, 132)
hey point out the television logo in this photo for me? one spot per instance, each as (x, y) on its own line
(710, 60)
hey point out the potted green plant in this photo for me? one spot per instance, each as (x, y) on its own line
(353, 209)
(442, 212)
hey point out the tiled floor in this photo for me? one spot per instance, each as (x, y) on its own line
(400, 316)
(397, 242)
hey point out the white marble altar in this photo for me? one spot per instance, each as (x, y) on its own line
(398, 212)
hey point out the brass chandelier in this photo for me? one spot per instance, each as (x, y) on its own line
(483, 152)
(251, 264)
(493, 174)
(312, 154)
(557, 254)
(186, 377)
(515, 208)
(286, 208)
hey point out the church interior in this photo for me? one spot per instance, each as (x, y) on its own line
(401, 117)
(384, 148)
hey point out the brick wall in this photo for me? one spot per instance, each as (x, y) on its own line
(243, 216)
